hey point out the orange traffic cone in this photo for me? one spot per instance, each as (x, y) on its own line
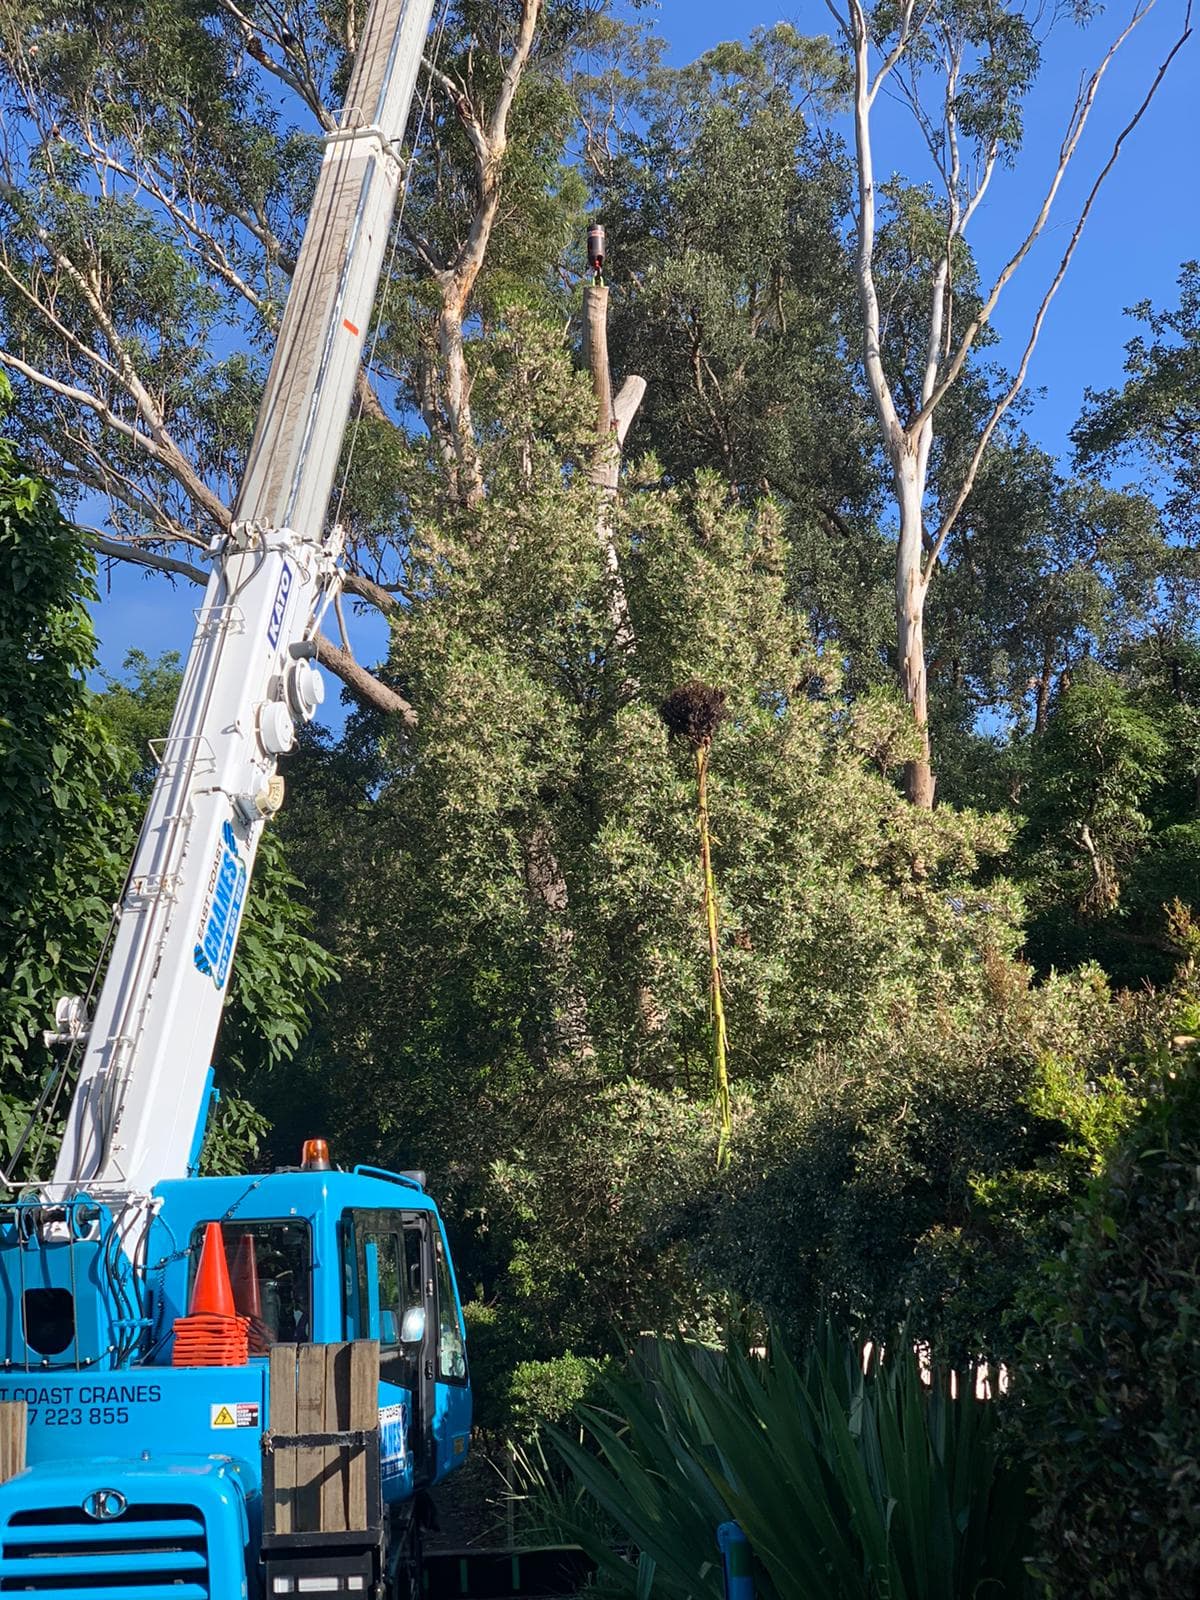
(247, 1296)
(244, 1279)
(212, 1334)
(213, 1292)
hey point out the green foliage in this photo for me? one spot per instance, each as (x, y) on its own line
(847, 1483)
(542, 1393)
(1109, 1375)
(514, 904)
(280, 972)
(234, 1137)
(721, 205)
(1153, 419)
(63, 835)
(1094, 769)
(74, 776)
(1109, 843)
(137, 708)
(920, 1171)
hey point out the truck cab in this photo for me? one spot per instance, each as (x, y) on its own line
(169, 1497)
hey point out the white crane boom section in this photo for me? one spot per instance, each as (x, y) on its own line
(249, 676)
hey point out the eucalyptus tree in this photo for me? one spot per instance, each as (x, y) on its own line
(1152, 422)
(722, 189)
(155, 166)
(964, 72)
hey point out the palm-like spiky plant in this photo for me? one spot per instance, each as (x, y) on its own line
(852, 1481)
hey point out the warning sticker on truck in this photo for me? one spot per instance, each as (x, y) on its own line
(241, 1414)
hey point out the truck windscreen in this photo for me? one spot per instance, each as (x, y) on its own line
(270, 1270)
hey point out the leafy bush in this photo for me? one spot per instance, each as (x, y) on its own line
(541, 1392)
(515, 1393)
(848, 1485)
(923, 1176)
(1111, 1413)
(63, 837)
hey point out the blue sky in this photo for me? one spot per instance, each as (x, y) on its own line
(1144, 225)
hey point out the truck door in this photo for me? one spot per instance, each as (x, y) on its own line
(452, 1417)
(388, 1276)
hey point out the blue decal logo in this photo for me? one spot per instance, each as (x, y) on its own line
(222, 910)
(279, 605)
(393, 1441)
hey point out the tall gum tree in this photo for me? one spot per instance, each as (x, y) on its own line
(963, 71)
(155, 169)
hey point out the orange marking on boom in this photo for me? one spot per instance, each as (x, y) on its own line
(349, 326)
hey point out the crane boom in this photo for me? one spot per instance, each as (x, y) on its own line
(249, 675)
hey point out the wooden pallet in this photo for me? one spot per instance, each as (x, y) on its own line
(319, 1394)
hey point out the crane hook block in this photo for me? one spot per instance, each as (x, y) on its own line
(595, 249)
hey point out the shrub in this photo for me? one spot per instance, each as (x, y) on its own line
(541, 1392)
(922, 1178)
(1111, 1413)
(848, 1485)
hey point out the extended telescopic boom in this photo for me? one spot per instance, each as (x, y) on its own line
(250, 676)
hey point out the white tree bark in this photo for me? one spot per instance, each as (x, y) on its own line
(613, 420)
(908, 442)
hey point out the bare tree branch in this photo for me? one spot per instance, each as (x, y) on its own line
(122, 550)
(1018, 382)
(1079, 118)
(371, 690)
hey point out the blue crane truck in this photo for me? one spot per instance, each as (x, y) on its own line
(138, 1454)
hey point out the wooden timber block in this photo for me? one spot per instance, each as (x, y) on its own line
(337, 1415)
(310, 1418)
(281, 1412)
(12, 1438)
(322, 1389)
(364, 1413)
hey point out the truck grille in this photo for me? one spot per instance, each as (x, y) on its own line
(149, 1552)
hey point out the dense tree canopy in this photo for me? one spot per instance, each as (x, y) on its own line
(929, 1010)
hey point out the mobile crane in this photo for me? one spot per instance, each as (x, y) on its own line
(145, 1402)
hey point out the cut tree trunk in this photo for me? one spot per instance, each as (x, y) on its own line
(613, 418)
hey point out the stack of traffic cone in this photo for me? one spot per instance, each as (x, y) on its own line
(247, 1297)
(212, 1334)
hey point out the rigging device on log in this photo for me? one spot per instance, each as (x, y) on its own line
(235, 1386)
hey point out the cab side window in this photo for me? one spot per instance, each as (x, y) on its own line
(388, 1311)
(383, 1290)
